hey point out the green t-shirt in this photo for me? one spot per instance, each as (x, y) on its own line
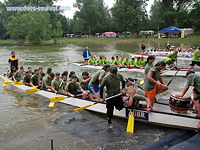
(143, 62)
(46, 82)
(112, 84)
(100, 62)
(57, 85)
(26, 79)
(136, 99)
(84, 85)
(106, 61)
(133, 62)
(147, 68)
(92, 61)
(167, 60)
(195, 55)
(137, 62)
(172, 55)
(73, 88)
(127, 63)
(194, 80)
(35, 79)
(19, 76)
(95, 79)
(148, 86)
(117, 62)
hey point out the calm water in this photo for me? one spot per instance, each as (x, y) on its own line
(26, 121)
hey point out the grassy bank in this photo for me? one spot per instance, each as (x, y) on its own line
(195, 40)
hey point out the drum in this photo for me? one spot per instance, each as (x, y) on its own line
(179, 104)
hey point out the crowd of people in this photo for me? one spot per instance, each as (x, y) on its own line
(107, 80)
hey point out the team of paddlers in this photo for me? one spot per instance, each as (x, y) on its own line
(107, 80)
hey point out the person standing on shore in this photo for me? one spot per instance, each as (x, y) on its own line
(86, 55)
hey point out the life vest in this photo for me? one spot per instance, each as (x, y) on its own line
(13, 58)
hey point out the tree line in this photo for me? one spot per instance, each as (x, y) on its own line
(93, 16)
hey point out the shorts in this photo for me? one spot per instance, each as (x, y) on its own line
(151, 94)
(93, 89)
(86, 58)
(197, 98)
(195, 63)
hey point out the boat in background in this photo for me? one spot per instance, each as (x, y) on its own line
(159, 57)
(168, 73)
(161, 115)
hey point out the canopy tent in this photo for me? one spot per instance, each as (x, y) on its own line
(188, 31)
(170, 30)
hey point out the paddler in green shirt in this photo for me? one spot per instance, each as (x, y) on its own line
(27, 78)
(138, 62)
(169, 62)
(75, 89)
(112, 61)
(46, 84)
(112, 83)
(133, 62)
(153, 83)
(143, 62)
(58, 85)
(117, 61)
(127, 62)
(174, 55)
(96, 80)
(35, 79)
(92, 61)
(194, 81)
(105, 60)
(195, 58)
(100, 61)
(19, 75)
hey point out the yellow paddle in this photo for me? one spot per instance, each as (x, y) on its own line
(56, 99)
(6, 83)
(130, 125)
(30, 91)
(18, 83)
(84, 107)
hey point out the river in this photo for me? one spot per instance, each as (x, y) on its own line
(27, 123)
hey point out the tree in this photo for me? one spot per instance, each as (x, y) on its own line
(93, 16)
(129, 15)
(57, 31)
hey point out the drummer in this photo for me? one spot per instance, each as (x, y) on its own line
(153, 83)
(193, 80)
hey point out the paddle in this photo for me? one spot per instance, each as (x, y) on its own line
(130, 125)
(30, 91)
(55, 99)
(84, 107)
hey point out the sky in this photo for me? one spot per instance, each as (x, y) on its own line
(69, 14)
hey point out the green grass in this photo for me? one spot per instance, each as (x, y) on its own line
(195, 40)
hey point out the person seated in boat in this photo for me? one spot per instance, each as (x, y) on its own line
(105, 60)
(64, 77)
(133, 62)
(49, 70)
(92, 61)
(85, 80)
(127, 62)
(30, 70)
(149, 63)
(58, 85)
(138, 62)
(170, 63)
(27, 78)
(12, 72)
(75, 89)
(195, 58)
(100, 61)
(19, 75)
(46, 84)
(35, 79)
(187, 54)
(72, 73)
(112, 60)
(153, 83)
(13, 61)
(193, 80)
(41, 72)
(117, 61)
(174, 55)
(96, 80)
(142, 61)
(132, 99)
